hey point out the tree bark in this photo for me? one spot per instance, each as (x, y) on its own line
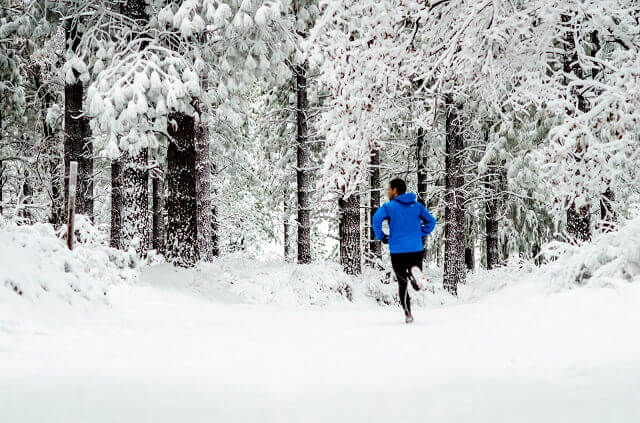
(1, 184)
(203, 185)
(421, 160)
(182, 237)
(135, 9)
(608, 214)
(578, 219)
(135, 202)
(158, 233)
(116, 204)
(375, 247)
(302, 172)
(454, 271)
(27, 198)
(287, 238)
(135, 172)
(470, 258)
(350, 254)
(215, 237)
(491, 219)
(77, 144)
(579, 223)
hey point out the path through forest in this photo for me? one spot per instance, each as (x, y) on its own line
(158, 354)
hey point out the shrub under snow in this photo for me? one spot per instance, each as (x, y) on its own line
(610, 259)
(35, 262)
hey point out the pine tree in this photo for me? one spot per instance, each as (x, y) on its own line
(203, 182)
(134, 163)
(302, 165)
(182, 237)
(77, 145)
(349, 232)
(157, 207)
(375, 247)
(454, 269)
(116, 204)
(421, 160)
(491, 180)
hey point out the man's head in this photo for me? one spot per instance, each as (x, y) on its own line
(396, 187)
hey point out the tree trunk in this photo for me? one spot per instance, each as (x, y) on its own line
(375, 247)
(287, 238)
(491, 181)
(470, 258)
(302, 171)
(491, 220)
(578, 219)
(1, 184)
(350, 234)
(77, 144)
(608, 214)
(53, 159)
(135, 202)
(182, 238)
(135, 9)
(27, 198)
(579, 223)
(454, 272)
(157, 233)
(215, 237)
(116, 203)
(421, 160)
(135, 172)
(203, 185)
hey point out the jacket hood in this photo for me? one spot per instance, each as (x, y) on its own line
(407, 198)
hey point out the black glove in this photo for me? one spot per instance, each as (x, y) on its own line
(385, 240)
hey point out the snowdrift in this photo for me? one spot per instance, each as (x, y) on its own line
(240, 279)
(610, 260)
(35, 263)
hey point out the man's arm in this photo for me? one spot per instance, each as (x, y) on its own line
(429, 222)
(378, 217)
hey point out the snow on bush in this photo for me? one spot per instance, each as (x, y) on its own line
(279, 283)
(611, 259)
(319, 284)
(35, 262)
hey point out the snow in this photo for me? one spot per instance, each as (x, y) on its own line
(239, 341)
(163, 353)
(35, 263)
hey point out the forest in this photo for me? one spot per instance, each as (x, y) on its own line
(202, 127)
(243, 146)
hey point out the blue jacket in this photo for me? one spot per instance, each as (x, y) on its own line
(409, 221)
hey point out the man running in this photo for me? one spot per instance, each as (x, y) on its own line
(409, 222)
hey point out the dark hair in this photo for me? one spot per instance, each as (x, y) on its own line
(399, 185)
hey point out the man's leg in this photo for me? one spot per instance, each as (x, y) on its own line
(399, 264)
(415, 260)
(403, 293)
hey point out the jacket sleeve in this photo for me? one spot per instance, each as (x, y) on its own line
(428, 221)
(378, 217)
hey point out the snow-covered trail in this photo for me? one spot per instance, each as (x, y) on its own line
(165, 355)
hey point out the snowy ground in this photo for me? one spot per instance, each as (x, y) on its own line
(160, 352)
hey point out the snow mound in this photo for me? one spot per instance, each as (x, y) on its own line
(35, 263)
(280, 283)
(611, 259)
(240, 279)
